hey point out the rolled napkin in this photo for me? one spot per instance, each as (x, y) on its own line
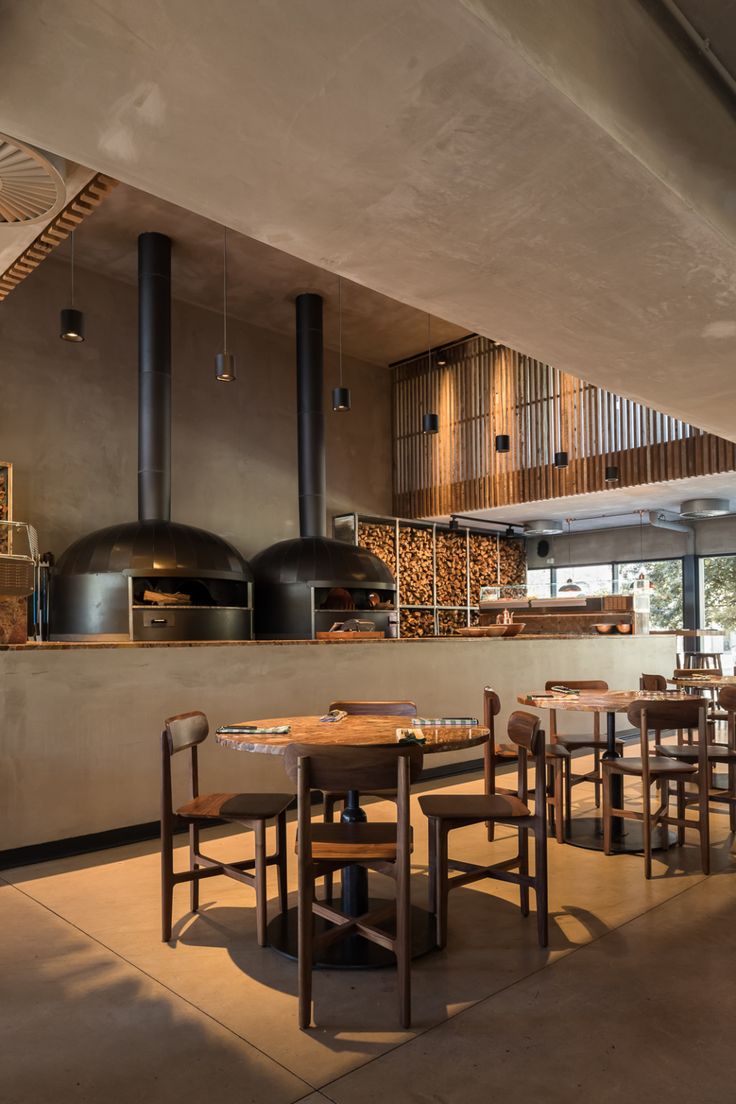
(333, 716)
(441, 722)
(565, 690)
(253, 730)
(406, 736)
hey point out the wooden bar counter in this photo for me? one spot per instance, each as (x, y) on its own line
(80, 723)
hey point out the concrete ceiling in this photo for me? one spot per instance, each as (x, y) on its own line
(262, 281)
(552, 175)
(618, 506)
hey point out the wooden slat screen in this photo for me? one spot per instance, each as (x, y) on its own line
(485, 389)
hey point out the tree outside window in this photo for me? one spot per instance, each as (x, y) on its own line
(665, 577)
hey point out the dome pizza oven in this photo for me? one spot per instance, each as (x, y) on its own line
(152, 579)
(304, 585)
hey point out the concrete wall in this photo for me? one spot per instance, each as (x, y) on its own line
(79, 728)
(68, 419)
(609, 545)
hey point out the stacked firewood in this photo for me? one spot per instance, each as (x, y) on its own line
(488, 568)
(452, 569)
(416, 622)
(449, 620)
(417, 567)
(380, 540)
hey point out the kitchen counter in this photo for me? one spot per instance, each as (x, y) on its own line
(95, 645)
(80, 724)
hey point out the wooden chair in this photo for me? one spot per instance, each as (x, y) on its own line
(653, 683)
(700, 661)
(717, 753)
(661, 770)
(447, 812)
(391, 708)
(558, 767)
(594, 741)
(327, 847)
(186, 732)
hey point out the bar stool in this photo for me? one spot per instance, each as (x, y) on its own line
(186, 732)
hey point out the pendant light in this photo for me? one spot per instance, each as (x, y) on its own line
(503, 442)
(71, 320)
(340, 395)
(224, 361)
(430, 421)
(569, 587)
(561, 460)
(612, 474)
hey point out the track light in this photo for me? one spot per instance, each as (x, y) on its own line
(454, 524)
(503, 442)
(612, 474)
(560, 459)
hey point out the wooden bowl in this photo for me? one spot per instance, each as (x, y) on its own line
(514, 629)
(624, 628)
(603, 629)
(482, 630)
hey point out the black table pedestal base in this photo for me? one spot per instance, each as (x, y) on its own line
(587, 832)
(353, 952)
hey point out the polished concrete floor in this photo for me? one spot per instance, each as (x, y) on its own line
(634, 998)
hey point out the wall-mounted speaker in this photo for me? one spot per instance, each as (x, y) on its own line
(543, 549)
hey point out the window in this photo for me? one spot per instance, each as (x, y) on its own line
(719, 605)
(539, 582)
(665, 577)
(591, 578)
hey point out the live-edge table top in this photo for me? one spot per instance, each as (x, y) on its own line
(351, 731)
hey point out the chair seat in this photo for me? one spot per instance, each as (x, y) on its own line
(473, 806)
(659, 766)
(556, 751)
(717, 753)
(235, 806)
(353, 842)
(583, 740)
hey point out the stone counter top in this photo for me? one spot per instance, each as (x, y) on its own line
(96, 645)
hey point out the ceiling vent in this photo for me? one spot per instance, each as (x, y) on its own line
(695, 509)
(32, 186)
(543, 527)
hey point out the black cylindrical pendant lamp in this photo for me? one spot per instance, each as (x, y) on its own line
(430, 423)
(224, 367)
(503, 442)
(560, 459)
(612, 474)
(340, 398)
(71, 325)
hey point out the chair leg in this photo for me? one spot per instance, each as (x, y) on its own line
(441, 883)
(596, 784)
(260, 873)
(194, 884)
(680, 812)
(567, 774)
(329, 816)
(167, 880)
(281, 861)
(432, 861)
(559, 804)
(540, 885)
(403, 945)
(524, 869)
(647, 830)
(704, 824)
(305, 940)
(732, 796)
(607, 819)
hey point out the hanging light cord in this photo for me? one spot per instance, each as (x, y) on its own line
(224, 291)
(339, 323)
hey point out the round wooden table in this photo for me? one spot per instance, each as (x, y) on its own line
(353, 952)
(587, 831)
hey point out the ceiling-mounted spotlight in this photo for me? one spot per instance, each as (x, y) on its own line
(612, 474)
(503, 442)
(341, 394)
(430, 421)
(509, 531)
(454, 524)
(224, 361)
(71, 320)
(561, 460)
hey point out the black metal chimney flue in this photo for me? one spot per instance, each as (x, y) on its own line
(154, 377)
(310, 416)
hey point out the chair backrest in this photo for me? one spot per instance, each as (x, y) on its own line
(577, 684)
(352, 768)
(707, 661)
(658, 716)
(688, 672)
(185, 730)
(727, 698)
(524, 731)
(394, 708)
(652, 682)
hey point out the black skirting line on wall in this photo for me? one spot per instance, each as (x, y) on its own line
(141, 833)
